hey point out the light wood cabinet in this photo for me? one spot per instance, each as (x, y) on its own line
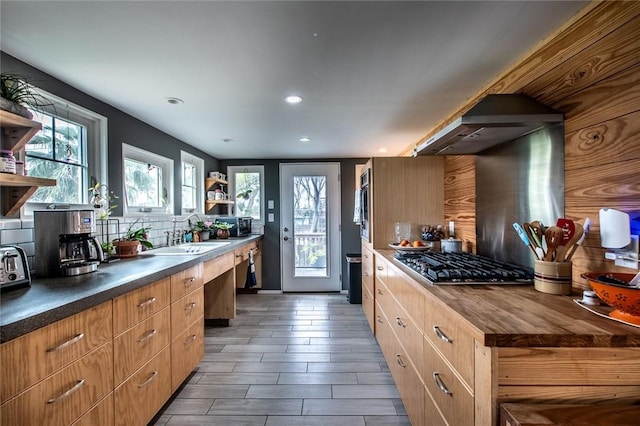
(34, 356)
(102, 414)
(187, 281)
(209, 185)
(187, 350)
(368, 305)
(403, 189)
(220, 288)
(242, 263)
(17, 131)
(133, 307)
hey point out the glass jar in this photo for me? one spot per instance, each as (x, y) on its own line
(7, 161)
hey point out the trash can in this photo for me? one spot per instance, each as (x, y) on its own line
(354, 275)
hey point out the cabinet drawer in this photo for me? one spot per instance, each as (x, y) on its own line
(102, 414)
(368, 308)
(30, 358)
(432, 412)
(140, 343)
(408, 294)
(406, 378)
(451, 340)
(404, 328)
(186, 310)
(188, 348)
(139, 398)
(217, 266)
(64, 396)
(242, 253)
(449, 393)
(186, 281)
(381, 267)
(133, 307)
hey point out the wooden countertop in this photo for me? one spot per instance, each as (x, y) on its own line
(520, 316)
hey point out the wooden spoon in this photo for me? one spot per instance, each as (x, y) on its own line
(553, 236)
(539, 229)
(561, 251)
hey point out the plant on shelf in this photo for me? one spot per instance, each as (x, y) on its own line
(222, 229)
(127, 245)
(17, 95)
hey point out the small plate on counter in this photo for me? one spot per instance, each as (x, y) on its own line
(397, 246)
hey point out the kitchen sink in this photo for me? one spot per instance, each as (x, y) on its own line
(186, 249)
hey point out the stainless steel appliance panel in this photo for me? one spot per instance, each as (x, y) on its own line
(519, 181)
(365, 205)
(14, 269)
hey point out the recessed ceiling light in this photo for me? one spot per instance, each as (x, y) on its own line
(382, 149)
(174, 101)
(305, 139)
(293, 99)
(227, 140)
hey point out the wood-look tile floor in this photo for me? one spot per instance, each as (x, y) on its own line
(289, 359)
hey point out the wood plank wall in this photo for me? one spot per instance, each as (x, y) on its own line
(590, 71)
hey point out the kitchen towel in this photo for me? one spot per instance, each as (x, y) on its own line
(251, 273)
(356, 208)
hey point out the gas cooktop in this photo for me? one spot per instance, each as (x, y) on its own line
(464, 268)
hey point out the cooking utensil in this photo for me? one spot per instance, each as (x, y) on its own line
(539, 229)
(635, 281)
(553, 236)
(533, 239)
(613, 289)
(524, 237)
(585, 231)
(568, 227)
(561, 251)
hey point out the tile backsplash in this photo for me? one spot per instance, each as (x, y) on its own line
(20, 232)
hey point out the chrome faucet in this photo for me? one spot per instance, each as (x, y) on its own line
(175, 220)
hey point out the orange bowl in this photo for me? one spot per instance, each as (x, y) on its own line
(611, 288)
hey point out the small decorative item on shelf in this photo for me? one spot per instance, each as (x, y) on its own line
(17, 96)
(222, 229)
(102, 199)
(128, 245)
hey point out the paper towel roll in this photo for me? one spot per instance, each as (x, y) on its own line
(615, 229)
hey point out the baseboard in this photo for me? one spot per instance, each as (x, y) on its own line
(247, 290)
(269, 291)
(208, 322)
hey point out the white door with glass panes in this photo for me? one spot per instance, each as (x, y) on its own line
(310, 227)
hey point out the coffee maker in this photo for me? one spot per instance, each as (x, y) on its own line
(64, 244)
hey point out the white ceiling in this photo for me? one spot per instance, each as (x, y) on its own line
(372, 74)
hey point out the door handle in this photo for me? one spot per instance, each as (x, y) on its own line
(286, 238)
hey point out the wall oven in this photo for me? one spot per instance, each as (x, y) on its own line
(365, 204)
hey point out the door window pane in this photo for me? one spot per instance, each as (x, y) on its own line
(310, 226)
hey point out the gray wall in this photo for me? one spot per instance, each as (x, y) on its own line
(122, 128)
(271, 246)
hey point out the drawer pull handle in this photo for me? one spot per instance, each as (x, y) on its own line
(68, 393)
(189, 340)
(400, 323)
(189, 281)
(380, 268)
(190, 306)
(380, 292)
(68, 343)
(148, 336)
(151, 378)
(380, 319)
(147, 302)
(400, 362)
(440, 384)
(366, 274)
(441, 335)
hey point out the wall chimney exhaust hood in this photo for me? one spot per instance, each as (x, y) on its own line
(495, 119)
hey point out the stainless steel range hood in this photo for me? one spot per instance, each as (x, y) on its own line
(494, 120)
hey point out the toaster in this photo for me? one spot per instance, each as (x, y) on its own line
(14, 269)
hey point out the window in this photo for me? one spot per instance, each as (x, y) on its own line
(192, 183)
(246, 185)
(148, 181)
(71, 148)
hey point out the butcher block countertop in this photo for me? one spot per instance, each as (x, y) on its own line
(520, 316)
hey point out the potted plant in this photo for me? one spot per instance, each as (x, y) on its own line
(102, 200)
(17, 95)
(201, 231)
(222, 229)
(127, 245)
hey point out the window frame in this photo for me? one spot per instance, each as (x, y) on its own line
(231, 174)
(165, 164)
(198, 163)
(97, 145)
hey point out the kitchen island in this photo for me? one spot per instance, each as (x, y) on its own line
(111, 347)
(457, 352)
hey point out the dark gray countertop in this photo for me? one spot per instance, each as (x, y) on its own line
(52, 299)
